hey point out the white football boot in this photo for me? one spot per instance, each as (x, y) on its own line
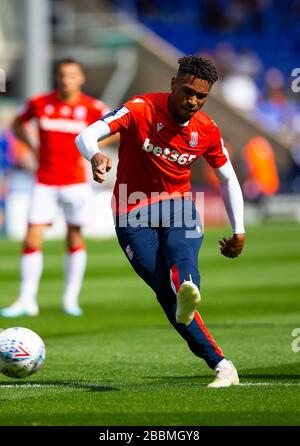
(72, 310)
(226, 375)
(188, 299)
(19, 309)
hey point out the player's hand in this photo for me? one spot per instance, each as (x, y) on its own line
(100, 165)
(233, 246)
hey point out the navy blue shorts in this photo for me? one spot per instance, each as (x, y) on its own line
(162, 243)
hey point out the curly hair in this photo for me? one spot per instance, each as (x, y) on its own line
(199, 67)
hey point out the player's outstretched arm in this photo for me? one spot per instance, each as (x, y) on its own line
(234, 204)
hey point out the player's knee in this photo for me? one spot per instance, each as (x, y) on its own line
(74, 232)
(32, 242)
(74, 237)
(33, 239)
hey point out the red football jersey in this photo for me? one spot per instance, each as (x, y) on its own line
(59, 122)
(156, 153)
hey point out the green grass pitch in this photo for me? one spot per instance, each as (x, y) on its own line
(123, 364)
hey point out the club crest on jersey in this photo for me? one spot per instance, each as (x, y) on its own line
(194, 139)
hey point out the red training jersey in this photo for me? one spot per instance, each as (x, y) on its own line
(156, 152)
(59, 122)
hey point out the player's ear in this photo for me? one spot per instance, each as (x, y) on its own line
(173, 84)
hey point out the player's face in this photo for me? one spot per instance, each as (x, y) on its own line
(69, 78)
(189, 94)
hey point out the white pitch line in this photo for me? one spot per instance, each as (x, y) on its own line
(249, 384)
(10, 386)
(266, 384)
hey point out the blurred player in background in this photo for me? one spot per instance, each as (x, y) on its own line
(60, 180)
(161, 135)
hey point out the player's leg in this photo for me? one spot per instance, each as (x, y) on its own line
(74, 269)
(74, 200)
(41, 213)
(181, 248)
(153, 256)
(182, 258)
(143, 249)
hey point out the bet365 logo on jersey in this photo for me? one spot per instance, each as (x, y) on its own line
(169, 154)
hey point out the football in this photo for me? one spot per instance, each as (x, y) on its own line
(22, 352)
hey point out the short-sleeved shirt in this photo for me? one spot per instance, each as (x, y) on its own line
(59, 122)
(156, 152)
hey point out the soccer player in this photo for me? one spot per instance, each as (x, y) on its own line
(60, 180)
(157, 224)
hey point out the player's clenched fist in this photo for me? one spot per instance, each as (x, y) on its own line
(232, 247)
(100, 165)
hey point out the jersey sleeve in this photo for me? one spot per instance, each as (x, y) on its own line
(216, 154)
(127, 115)
(28, 111)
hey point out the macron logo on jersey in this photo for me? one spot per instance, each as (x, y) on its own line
(169, 154)
(159, 126)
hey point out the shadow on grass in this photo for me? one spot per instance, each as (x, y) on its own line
(55, 384)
